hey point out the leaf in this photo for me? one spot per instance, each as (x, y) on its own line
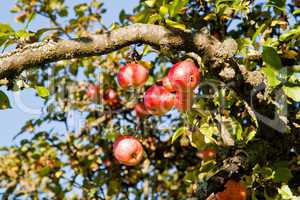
(282, 172)
(198, 140)
(176, 6)
(250, 135)
(23, 35)
(179, 132)
(292, 92)
(6, 28)
(271, 58)
(296, 12)
(285, 192)
(3, 38)
(4, 101)
(294, 33)
(175, 24)
(154, 18)
(258, 31)
(271, 75)
(150, 3)
(210, 17)
(42, 91)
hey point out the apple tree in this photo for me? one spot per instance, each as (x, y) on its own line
(178, 99)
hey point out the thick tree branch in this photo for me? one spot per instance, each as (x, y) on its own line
(213, 52)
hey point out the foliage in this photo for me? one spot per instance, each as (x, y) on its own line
(240, 124)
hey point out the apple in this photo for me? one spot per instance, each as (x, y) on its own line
(158, 100)
(167, 84)
(132, 74)
(184, 76)
(184, 100)
(93, 91)
(208, 153)
(140, 110)
(128, 150)
(234, 190)
(111, 97)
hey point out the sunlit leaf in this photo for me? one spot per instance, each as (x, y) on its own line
(4, 101)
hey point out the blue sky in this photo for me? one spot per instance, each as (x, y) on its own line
(12, 120)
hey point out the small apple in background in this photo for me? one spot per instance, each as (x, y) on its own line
(184, 76)
(107, 163)
(184, 100)
(111, 97)
(93, 92)
(140, 110)
(128, 150)
(132, 74)
(158, 100)
(167, 84)
(234, 190)
(208, 153)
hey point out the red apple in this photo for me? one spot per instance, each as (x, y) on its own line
(140, 110)
(184, 76)
(128, 150)
(158, 100)
(132, 74)
(107, 163)
(111, 97)
(93, 91)
(167, 84)
(233, 191)
(207, 153)
(184, 100)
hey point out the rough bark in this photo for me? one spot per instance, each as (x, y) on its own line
(212, 51)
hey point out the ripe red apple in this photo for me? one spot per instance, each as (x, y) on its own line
(132, 74)
(207, 153)
(167, 84)
(128, 150)
(233, 191)
(140, 110)
(93, 91)
(184, 76)
(158, 100)
(111, 97)
(184, 100)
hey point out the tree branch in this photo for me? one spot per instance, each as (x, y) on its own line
(159, 37)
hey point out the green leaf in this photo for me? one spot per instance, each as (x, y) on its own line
(250, 135)
(6, 28)
(179, 132)
(150, 3)
(3, 38)
(23, 35)
(45, 171)
(198, 140)
(271, 75)
(4, 101)
(42, 91)
(282, 172)
(175, 24)
(296, 12)
(271, 58)
(292, 92)
(285, 192)
(176, 6)
(294, 33)
(282, 175)
(258, 31)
